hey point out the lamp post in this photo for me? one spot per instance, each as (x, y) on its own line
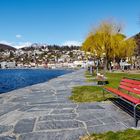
(104, 64)
(97, 63)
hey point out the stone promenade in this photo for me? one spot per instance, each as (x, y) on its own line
(44, 112)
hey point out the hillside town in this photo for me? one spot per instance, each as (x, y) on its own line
(42, 56)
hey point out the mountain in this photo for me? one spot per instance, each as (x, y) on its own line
(37, 46)
(4, 47)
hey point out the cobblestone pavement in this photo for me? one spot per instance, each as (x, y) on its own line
(44, 112)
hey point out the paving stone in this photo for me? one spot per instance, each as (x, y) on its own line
(102, 114)
(25, 108)
(44, 103)
(96, 113)
(44, 106)
(86, 117)
(32, 99)
(7, 138)
(66, 105)
(130, 123)
(108, 120)
(43, 93)
(63, 94)
(93, 122)
(60, 87)
(123, 114)
(66, 97)
(40, 101)
(4, 128)
(104, 128)
(39, 111)
(120, 117)
(58, 117)
(57, 135)
(109, 106)
(62, 111)
(24, 126)
(63, 91)
(20, 99)
(1, 100)
(6, 108)
(50, 125)
(90, 106)
(63, 99)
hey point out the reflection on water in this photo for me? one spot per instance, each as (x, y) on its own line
(11, 79)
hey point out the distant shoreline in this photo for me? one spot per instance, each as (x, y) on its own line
(40, 68)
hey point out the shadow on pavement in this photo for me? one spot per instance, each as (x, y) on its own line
(126, 107)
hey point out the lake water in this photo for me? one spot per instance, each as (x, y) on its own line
(11, 79)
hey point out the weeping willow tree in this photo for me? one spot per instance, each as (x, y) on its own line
(107, 41)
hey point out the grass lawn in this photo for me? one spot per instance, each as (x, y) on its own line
(88, 94)
(114, 78)
(95, 93)
(128, 134)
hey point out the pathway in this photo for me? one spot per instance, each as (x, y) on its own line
(44, 112)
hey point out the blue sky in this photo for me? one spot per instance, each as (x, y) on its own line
(62, 21)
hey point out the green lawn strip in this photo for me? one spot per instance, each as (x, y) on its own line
(129, 134)
(95, 93)
(88, 94)
(115, 78)
(112, 77)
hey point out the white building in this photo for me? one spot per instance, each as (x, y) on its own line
(79, 64)
(5, 64)
(11, 64)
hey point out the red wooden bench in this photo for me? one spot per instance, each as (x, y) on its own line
(126, 87)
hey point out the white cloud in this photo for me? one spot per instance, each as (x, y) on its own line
(16, 45)
(18, 36)
(22, 44)
(72, 43)
(6, 42)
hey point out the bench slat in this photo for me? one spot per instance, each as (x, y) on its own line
(131, 81)
(133, 90)
(125, 96)
(130, 85)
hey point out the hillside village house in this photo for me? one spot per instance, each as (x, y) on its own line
(5, 64)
